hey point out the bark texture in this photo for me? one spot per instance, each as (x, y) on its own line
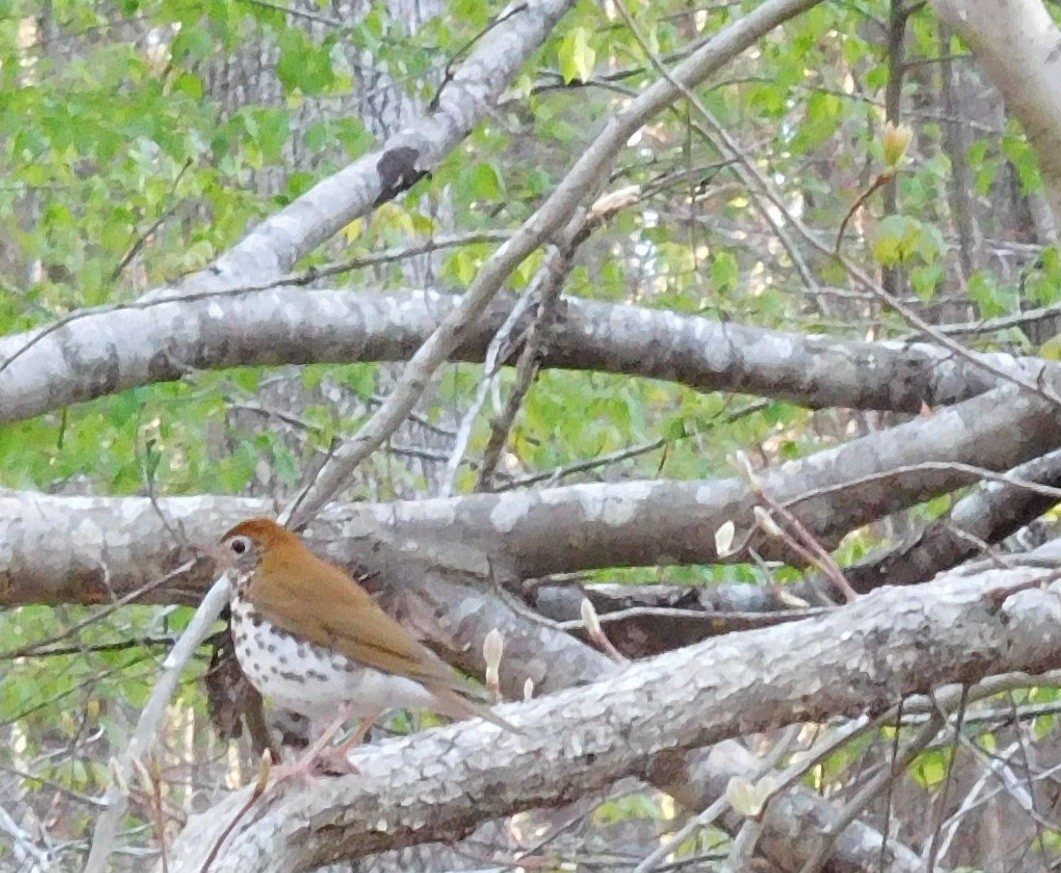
(88, 550)
(109, 351)
(442, 783)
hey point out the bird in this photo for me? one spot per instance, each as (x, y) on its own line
(309, 637)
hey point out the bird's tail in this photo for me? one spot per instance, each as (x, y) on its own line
(457, 706)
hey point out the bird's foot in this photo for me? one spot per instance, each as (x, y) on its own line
(322, 759)
(332, 761)
(335, 761)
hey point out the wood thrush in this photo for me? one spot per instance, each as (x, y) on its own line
(312, 639)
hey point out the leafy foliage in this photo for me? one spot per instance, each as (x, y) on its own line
(139, 139)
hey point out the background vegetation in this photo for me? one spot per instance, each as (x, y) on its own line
(140, 141)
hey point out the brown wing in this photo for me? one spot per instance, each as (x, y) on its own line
(317, 601)
(320, 603)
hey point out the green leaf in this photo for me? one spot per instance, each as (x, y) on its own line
(1022, 156)
(927, 279)
(464, 265)
(486, 182)
(820, 122)
(577, 57)
(303, 66)
(896, 239)
(990, 298)
(931, 768)
(192, 43)
(725, 272)
(352, 134)
(272, 126)
(1051, 349)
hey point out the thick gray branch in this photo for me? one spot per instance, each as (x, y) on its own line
(556, 660)
(648, 619)
(989, 514)
(78, 550)
(276, 244)
(111, 351)
(645, 523)
(1017, 42)
(440, 784)
(793, 822)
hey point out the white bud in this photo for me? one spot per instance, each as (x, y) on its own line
(144, 774)
(791, 600)
(118, 777)
(493, 649)
(590, 618)
(743, 465)
(766, 521)
(263, 771)
(724, 539)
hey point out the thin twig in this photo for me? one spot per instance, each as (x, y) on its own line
(147, 725)
(259, 790)
(870, 790)
(553, 476)
(886, 828)
(158, 814)
(707, 816)
(56, 786)
(944, 466)
(34, 648)
(591, 621)
(118, 646)
(738, 166)
(159, 298)
(448, 73)
(497, 352)
(878, 183)
(554, 271)
(933, 851)
(135, 248)
(718, 619)
(295, 12)
(821, 557)
(23, 846)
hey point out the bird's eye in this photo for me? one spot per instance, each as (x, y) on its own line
(239, 545)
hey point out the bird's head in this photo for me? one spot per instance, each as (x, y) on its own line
(246, 545)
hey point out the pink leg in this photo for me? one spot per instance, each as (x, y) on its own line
(304, 765)
(337, 757)
(367, 723)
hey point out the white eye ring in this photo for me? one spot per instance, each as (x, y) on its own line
(240, 545)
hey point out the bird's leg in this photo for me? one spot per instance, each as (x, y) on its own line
(367, 723)
(304, 765)
(338, 757)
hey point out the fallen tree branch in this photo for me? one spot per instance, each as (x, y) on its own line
(555, 660)
(523, 535)
(987, 515)
(861, 658)
(280, 241)
(163, 340)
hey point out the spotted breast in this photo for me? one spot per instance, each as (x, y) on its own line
(308, 679)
